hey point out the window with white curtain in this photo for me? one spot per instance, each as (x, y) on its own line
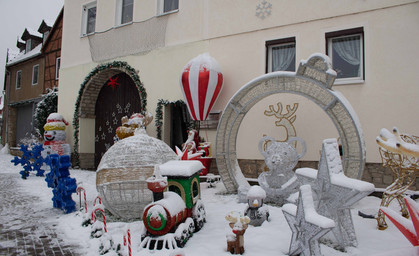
(280, 55)
(346, 50)
(89, 19)
(167, 6)
(124, 11)
(35, 74)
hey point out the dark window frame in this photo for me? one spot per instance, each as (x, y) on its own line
(269, 43)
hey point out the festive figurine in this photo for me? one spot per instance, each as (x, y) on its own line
(280, 157)
(238, 223)
(54, 136)
(129, 126)
(62, 185)
(191, 142)
(256, 210)
(31, 160)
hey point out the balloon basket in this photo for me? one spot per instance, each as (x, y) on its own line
(206, 161)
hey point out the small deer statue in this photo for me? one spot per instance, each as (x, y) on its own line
(238, 223)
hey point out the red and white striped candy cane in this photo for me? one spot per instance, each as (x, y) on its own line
(128, 237)
(96, 199)
(85, 201)
(103, 215)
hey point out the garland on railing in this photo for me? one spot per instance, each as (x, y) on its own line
(124, 67)
(159, 113)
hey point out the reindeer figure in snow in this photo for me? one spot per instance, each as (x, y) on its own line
(238, 223)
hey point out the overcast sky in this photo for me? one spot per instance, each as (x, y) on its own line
(16, 15)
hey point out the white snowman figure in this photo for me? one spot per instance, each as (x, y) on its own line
(54, 136)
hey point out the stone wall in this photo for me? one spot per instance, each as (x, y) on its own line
(375, 173)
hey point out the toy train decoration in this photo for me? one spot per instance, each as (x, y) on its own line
(174, 215)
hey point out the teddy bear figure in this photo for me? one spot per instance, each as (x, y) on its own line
(281, 158)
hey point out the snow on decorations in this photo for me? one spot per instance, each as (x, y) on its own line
(235, 240)
(400, 153)
(280, 157)
(54, 136)
(306, 224)
(410, 229)
(31, 160)
(59, 180)
(129, 126)
(176, 214)
(123, 170)
(256, 210)
(335, 193)
(201, 82)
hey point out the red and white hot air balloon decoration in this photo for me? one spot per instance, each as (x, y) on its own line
(201, 82)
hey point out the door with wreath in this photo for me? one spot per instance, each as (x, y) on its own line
(118, 97)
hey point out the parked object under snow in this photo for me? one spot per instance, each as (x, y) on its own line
(335, 193)
(281, 158)
(256, 210)
(123, 170)
(400, 153)
(306, 224)
(174, 215)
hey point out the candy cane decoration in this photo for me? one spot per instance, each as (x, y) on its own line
(80, 188)
(128, 235)
(96, 199)
(103, 215)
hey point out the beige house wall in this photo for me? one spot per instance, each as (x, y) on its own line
(235, 37)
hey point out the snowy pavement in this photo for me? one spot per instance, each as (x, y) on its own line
(29, 225)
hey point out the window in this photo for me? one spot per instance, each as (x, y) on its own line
(125, 11)
(280, 55)
(166, 6)
(28, 45)
(35, 73)
(57, 68)
(89, 19)
(18, 79)
(346, 50)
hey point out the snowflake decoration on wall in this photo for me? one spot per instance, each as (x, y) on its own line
(263, 9)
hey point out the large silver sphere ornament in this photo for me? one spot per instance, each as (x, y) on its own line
(313, 80)
(123, 170)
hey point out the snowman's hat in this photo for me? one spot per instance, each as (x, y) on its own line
(55, 121)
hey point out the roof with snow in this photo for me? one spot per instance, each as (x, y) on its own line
(181, 168)
(22, 56)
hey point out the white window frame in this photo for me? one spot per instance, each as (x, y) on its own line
(118, 15)
(275, 43)
(18, 79)
(35, 79)
(57, 68)
(349, 80)
(160, 8)
(85, 13)
(28, 45)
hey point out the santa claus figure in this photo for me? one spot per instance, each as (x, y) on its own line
(54, 136)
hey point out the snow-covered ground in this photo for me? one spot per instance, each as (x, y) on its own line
(272, 238)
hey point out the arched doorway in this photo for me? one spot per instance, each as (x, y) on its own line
(118, 97)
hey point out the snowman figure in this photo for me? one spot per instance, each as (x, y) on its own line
(54, 136)
(256, 210)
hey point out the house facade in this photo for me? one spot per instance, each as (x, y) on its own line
(146, 44)
(28, 76)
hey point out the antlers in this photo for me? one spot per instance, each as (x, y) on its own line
(278, 113)
(394, 143)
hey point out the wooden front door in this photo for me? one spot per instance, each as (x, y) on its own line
(118, 97)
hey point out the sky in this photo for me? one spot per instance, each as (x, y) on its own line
(16, 15)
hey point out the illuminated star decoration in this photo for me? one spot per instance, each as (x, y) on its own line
(306, 224)
(335, 193)
(112, 82)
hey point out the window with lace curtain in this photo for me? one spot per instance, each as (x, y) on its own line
(280, 55)
(346, 50)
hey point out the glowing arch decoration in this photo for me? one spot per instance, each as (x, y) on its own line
(313, 80)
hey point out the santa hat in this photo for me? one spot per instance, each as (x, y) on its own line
(55, 121)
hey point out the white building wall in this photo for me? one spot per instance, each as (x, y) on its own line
(235, 37)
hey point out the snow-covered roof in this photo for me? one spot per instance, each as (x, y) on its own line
(33, 32)
(181, 168)
(24, 56)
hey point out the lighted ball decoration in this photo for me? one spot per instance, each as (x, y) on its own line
(123, 170)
